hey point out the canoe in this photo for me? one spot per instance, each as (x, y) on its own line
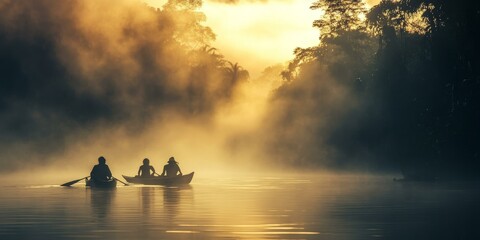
(177, 180)
(101, 184)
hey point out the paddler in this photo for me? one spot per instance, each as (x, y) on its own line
(101, 172)
(144, 170)
(171, 169)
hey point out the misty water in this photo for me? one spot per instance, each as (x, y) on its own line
(294, 207)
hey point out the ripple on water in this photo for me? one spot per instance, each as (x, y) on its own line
(252, 208)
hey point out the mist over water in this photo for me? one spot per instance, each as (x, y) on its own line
(82, 79)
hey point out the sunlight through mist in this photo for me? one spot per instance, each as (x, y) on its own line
(258, 34)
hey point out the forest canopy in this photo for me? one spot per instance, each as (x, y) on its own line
(393, 87)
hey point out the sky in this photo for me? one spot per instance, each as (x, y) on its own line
(266, 31)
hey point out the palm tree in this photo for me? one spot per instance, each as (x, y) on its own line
(208, 54)
(235, 72)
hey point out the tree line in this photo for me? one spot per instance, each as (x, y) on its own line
(410, 73)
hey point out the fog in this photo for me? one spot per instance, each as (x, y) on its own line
(123, 80)
(81, 79)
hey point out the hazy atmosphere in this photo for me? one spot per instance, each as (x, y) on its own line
(191, 79)
(239, 119)
(89, 78)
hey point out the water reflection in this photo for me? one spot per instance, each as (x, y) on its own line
(147, 196)
(171, 201)
(101, 201)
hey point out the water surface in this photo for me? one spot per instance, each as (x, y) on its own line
(300, 207)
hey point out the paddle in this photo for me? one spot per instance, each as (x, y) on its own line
(126, 184)
(68, 184)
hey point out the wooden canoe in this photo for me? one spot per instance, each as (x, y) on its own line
(101, 184)
(177, 180)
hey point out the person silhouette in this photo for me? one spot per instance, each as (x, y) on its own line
(101, 171)
(171, 169)
(144, 170)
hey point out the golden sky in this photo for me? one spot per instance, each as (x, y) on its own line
(258, 34)
(263, 33)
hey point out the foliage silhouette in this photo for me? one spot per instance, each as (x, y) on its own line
(411, 83)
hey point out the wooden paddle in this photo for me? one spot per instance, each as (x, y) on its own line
(68, 184)
(126, 184)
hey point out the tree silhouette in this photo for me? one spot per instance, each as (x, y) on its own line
(339, 19)
(339, 16)
(413, 76)
(236, 73)
(188, 25)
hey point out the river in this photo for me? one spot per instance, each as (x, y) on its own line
(267, 207)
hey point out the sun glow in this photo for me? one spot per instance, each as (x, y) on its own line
(258, 34)
(262, 34)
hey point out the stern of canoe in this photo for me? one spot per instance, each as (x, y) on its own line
(101, 184)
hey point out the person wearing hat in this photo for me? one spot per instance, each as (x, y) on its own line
(144, 170)
(101, 172)
(171, 169)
